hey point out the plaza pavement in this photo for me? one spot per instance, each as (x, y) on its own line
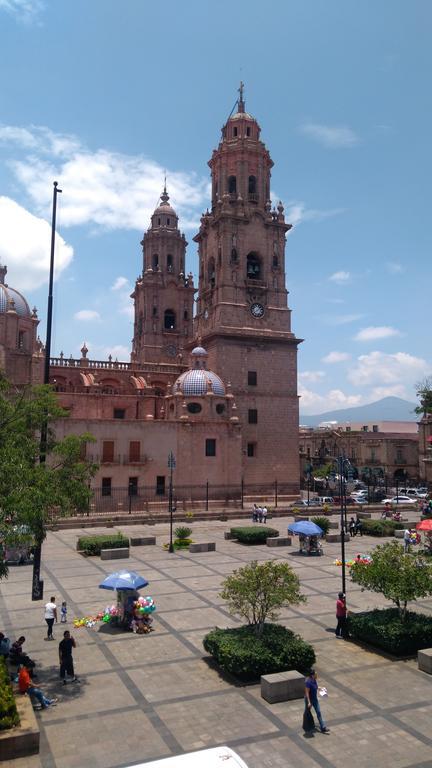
(144, 697)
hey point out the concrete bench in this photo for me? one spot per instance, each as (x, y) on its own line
(300, 518)
(279, 541)
(399, 534)
(424, 660)
(333, 526)
(333, 538)
(141, 541)
(118, 553)
(208, 546)
(282, 686)
(364, 515)
(228, 535)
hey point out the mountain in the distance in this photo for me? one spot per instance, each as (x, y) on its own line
(386, 409)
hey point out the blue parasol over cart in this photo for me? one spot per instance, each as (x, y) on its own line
(122, 580)
(305, 527)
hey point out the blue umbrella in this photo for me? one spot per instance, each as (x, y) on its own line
(123, 580)
(306, 527)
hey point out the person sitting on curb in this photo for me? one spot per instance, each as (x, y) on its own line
(25, 685)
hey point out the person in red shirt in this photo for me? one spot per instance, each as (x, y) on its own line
(25, 685)
(341, 613)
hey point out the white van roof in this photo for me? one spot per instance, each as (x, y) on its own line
(218, 757)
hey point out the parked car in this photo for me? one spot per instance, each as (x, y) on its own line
(313, 502)
(326, 500)
(399, 500)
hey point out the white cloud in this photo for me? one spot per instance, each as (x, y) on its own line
(297, 212)
(23, 10)
(108, 189)
(25, 246)
(336, 357)
(340, 277)
(312, 402)
(394, 268)
(87, 314)
(374, 332)
(128, 309)
(331, 136)
(311, 376)
(119, 283)
(378, 369)
(342, 319)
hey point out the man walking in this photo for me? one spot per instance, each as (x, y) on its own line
(407, 539)
(65, 658)
(50, 617)
(311, 698)
(341, 613)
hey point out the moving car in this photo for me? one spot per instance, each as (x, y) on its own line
(399, 500)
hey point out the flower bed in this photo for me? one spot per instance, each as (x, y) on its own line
(381, 527)
(8, 711)
(253, 534)
(384, 629)
(92, 545)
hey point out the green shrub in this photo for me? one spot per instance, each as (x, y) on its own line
(323, 523)
(381, 527)
(247, 655)
(253, 534)
(179, 544)
(386, 630)
(182, 532)
(92, 545)
(8, 711)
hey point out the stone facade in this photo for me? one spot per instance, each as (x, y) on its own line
(425, 450)
(21, 355)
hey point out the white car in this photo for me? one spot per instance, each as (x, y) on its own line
(399, 500)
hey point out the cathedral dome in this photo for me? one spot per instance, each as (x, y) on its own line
(196, 382)
(165, 208)
(10, 298)
(199, 351)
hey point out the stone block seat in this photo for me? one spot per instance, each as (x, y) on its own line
(282, 686)
(119, 553)
(333, 538)
(203, 546)
(424, 660)
(279, 541)
(141, 541)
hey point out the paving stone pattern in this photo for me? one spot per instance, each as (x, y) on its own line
(146, 697)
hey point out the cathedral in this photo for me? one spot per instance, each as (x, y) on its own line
(212, 377)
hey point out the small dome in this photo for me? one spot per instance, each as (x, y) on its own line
(20, 305)
(164, 206)
(195, 382)
(199, 351)
(241, 115)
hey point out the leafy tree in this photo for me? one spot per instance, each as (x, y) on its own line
(398, 576)
(424, 393)
(258, 590)
(31, 489)
(324, 472)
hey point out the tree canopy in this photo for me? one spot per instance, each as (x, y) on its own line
(30, 489)
(424, 393)
(400, 577)
(258, 590)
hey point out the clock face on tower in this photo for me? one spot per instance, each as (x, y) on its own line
(257, 310)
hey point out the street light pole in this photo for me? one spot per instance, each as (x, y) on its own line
(171, 465)
(37, 584)
(340, 465)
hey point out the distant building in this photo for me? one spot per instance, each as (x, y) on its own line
(425, 450)
(21, 354)
(385, 456)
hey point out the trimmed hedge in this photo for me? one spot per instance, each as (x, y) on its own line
(384, 629)
(92, 545)
(252, 534)
(8, 712)
(247, 656)
(323, 523)
(381, 527)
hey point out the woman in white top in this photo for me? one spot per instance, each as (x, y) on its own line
(50, 617)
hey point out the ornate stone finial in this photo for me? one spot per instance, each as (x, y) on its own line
(3, 271)
(34, 313)
(110, 359)
(165, 195)
(240, 102)
(61, 355)
(84, 351)
(280, 207)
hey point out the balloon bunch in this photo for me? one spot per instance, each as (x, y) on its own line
(111, 612)
(359, 558)
(141, 620)
(144, 605)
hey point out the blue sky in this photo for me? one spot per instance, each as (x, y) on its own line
(103, 96)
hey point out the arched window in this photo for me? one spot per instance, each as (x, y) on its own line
(252, 185)
(170, 263)
(234, 256)
(235, 131)
(232, 185)
(253, 266)
(155, 261)
(248, 131)
(169, 320)
(211, 273)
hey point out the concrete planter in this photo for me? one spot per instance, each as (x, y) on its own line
(23, 740)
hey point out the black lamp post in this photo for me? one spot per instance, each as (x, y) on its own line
(344, 468)
(37, 584)
(171, 466)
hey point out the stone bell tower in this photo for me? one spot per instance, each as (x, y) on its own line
(163, 295)
(242, 312)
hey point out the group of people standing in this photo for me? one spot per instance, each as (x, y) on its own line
(259, 514)
(25, 665)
